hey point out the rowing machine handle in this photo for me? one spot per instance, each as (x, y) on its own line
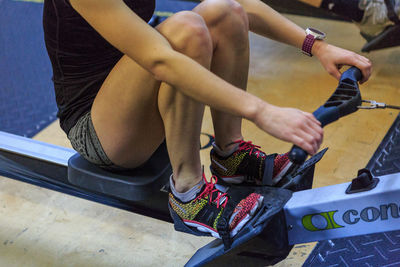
(333, 109)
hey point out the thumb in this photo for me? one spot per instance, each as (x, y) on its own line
(335, 72)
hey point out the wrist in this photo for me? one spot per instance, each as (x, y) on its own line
(253, 109)
(311, 40)
(317, 47)
(262, 113)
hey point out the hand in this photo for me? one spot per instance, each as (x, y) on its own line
(291, 125)
(333, 58)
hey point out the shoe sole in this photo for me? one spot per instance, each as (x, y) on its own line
(202, 228)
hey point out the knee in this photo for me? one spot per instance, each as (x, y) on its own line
(227, 14)
(187, 33)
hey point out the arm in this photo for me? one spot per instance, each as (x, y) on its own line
(122, 28)
(267, 22)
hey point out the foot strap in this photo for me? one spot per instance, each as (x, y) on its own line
(268, 170)
(223, 222)
(224, 233)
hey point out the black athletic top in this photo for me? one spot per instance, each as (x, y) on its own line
(80, 57)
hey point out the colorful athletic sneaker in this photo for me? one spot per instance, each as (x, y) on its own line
(203, 214)
(247, 164)
(375, 18)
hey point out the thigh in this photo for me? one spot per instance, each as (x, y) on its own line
(125, 114)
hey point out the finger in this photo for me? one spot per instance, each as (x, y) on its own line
(365, 60)
(300, 142)
(322, 138)
(316, 133)
(366, 70)
(313, 142)
(334, 72)
(309, 141)
(314, 130)
(363, 64)
(313, 127)
(313, 123)
(366, 73)
(311, 117)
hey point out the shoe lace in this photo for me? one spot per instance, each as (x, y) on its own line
(209, 191)
(249, 146)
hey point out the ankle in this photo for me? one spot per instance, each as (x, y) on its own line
(182, 185)
(225, 149)
(188, 194)
(226, 143)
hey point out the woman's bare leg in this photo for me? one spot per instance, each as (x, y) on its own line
(230, 59)
(133, 113)
(182, 115)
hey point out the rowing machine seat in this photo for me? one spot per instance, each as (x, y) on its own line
(133, 185)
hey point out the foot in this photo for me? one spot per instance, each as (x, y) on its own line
(246, 164)
(202, 214)
(375, 18)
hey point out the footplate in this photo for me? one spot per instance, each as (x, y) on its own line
(252, 240)
(300, 179)
(263, 240)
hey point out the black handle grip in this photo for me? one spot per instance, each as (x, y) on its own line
(326, 114)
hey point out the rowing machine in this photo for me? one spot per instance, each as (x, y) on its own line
(288, 218)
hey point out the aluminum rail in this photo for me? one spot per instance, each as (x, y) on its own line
(35, 149)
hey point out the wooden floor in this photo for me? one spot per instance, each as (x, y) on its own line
(39, 227)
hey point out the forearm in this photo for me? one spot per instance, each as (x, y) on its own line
(199, 83)
(265, 21)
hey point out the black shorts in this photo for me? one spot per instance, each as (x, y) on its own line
(81, 58)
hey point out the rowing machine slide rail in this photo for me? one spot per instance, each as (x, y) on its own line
(344, 101)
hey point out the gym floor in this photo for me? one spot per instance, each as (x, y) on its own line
(39, 227)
